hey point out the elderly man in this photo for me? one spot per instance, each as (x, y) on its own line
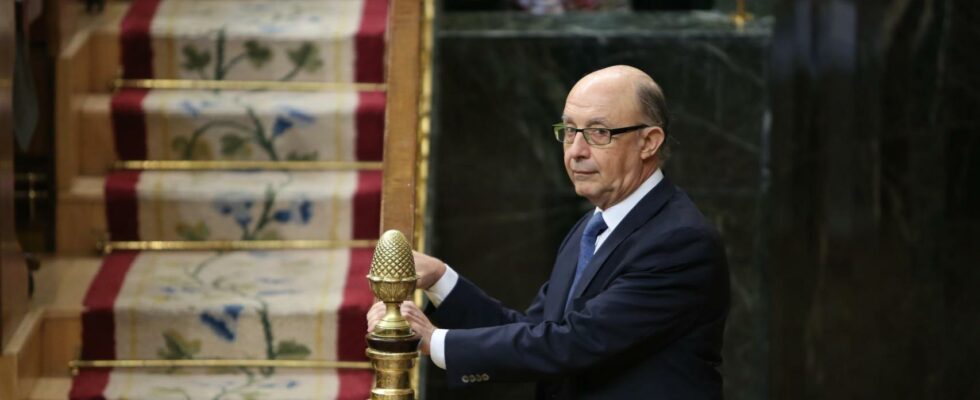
(637, 300)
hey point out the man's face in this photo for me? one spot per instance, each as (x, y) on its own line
(607, 174)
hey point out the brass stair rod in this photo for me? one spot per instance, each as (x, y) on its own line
(194, 84)
(161, 245)
(76, 365)
(203, 165)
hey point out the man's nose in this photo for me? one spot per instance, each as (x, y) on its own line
(579, 147)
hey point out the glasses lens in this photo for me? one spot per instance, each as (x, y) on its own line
(570, 134)
(598, 136)
(559, 132)
(564, 134)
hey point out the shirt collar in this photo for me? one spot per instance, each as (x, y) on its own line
(615, 214)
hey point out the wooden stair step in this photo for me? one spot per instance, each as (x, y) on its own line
(242, 205)
(317, 41)
(181, 125)
(277, 304)
(51, 388)
(220, 205)
(292, 384)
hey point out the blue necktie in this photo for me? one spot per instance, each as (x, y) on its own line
(593, 229)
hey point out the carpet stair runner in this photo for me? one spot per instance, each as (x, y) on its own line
(297, 304)
(243, 205)
(265, 40)
(235, 125)
(277, 304)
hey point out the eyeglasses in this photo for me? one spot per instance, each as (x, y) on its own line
(593, 136)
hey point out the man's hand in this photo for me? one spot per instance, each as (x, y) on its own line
(420, 324)
(415, 317)
(429, 268)
(375, 314)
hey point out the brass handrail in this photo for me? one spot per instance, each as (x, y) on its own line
(424, 123)
(202, 165)
(198, 245)
(423, 136)
(195, 84)
(76, 365)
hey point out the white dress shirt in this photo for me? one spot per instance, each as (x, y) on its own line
(612, 217)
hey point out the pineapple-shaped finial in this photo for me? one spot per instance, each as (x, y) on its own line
(393, 279)
(392, 259)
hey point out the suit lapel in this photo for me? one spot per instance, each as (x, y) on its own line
(561, 277)
(641, 213)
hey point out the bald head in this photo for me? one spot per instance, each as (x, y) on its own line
(648, 99)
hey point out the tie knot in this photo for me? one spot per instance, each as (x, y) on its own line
(595, 227)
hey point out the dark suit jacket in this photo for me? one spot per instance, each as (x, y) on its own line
(646, 319)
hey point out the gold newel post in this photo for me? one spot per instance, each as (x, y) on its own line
(392, 346)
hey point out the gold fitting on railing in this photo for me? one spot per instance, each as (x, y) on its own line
(424, 124)
(392, 345)
(225, 165)
(741, 16)
(230, 245)
(75, 365)
(294, 86)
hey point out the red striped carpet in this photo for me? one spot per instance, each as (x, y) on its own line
(281, 304)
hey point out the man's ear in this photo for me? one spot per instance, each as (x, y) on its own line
(653, 139)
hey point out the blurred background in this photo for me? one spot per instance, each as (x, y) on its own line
(835, 144)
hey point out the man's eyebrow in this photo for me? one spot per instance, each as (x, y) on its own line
(596, 121)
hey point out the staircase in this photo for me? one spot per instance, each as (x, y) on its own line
(234, 176)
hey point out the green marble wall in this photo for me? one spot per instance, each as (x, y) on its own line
(876, 185)
(758, 8)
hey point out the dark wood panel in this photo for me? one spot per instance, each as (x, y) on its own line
(13, 273)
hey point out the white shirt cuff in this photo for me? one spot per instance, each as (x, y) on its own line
(441, 289)
(437, 347)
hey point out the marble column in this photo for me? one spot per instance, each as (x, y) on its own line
(874, 223)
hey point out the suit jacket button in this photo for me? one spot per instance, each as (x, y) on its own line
(485, 377)
(466, 379)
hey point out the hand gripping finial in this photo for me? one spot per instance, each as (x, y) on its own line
(393, 279)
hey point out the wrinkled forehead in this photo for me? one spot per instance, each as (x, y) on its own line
(601, 101)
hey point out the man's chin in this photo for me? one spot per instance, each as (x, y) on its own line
(584, 191)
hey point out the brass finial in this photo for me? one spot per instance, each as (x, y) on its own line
(393, 279)
(392, 346)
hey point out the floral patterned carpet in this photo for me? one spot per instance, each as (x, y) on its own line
(249, 205)
(277, 304)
